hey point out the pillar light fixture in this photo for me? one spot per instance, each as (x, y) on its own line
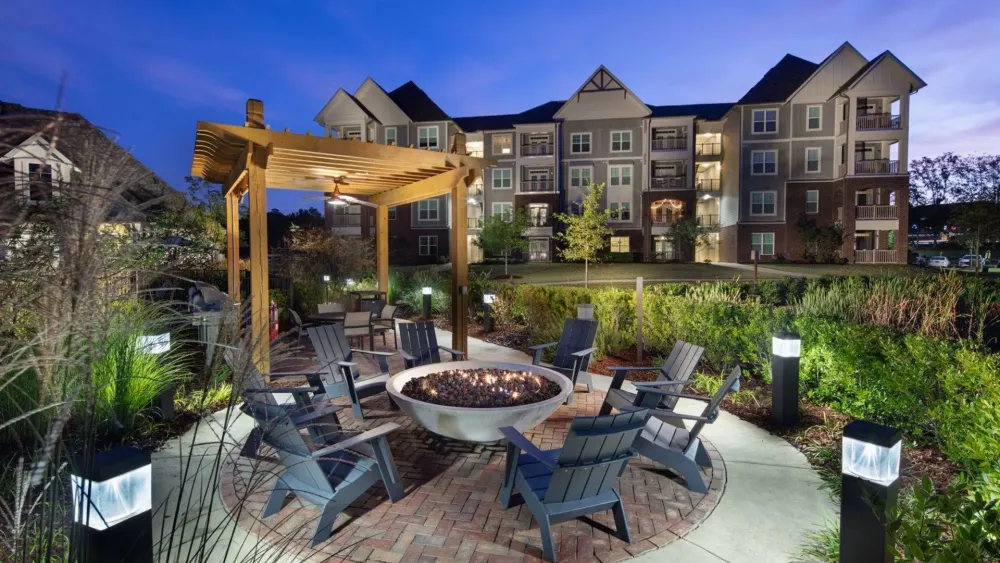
(349, 282)
(489, 298)
(869, 490)
(786, 347)
(871, 452)
(428, 291)
(326, 277)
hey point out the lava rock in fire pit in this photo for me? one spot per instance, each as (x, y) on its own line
(481, 388)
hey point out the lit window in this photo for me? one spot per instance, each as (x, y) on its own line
(427, 210)
(620, 175)
(390, 136)
(764, 162)
(427, 137)
(428, 245)
(502, 144)
(620, 210)
(621, 141)
(502, 178)
(619, 244)
(579, 176)
(579, 143)
(812, 201)
(765, 120)
(538, 214)
(392, 213)
(504, 210)
(814, 118)
(763, 243)
(763, 203)
(812, 159)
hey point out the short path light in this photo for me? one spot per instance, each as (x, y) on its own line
(488, 299)
(427, 301)
(786, 347)
(869, 490)
(326, 288)
(113, 501)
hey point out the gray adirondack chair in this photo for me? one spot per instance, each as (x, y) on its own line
(331, 477)
(677, 368)
(576, 480)
(667, 440)
(334, 353)
(573, 352)
(418, 343)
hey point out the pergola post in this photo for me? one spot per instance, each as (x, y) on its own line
(460, 262)
(233, 241)
(382, 248)
(259, 300)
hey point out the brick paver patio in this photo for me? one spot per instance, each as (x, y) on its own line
(451, 513)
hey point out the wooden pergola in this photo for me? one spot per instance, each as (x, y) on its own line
(248, 159)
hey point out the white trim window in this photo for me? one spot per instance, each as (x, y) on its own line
(763, 243)
(763, 203)
(427, 137)
(504, 209)
(813, 156)
(503, 143)
(620, 244)
(765, 121)
(620, 211)
(814, 118)
(428, 245)
(621, 141)
(390, 136)
(763, 163)
(580, 176)
(503, 178)
(392, 213)
(812, 201)
(579, 143)
(427, 210)
(620, 175)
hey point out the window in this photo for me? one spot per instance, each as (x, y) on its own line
(538, 249)
(427, 210)
(579, 143)
(764, 162)
(39, 182)
(812, 159)
(579, 176)
(620, 175)
(390, 136)
(763, 243)
(502, 144)
(538, 214)
(428, 245)
(621, 141)
(765, 121)
(352, 134)
(763, 203)
(619, 244)
(427, 137)
(620, 210)
(814, 118)
(812, 201)
(504, 209)
(392, 213)
(502, 178)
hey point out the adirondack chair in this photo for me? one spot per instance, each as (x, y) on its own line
(580, 478)
(419, 344)
(573, 353)
(667, 440)
(332, 352)
(386, 321)
(331, 477)
(677, 368)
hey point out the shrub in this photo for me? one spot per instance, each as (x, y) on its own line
(967, 416)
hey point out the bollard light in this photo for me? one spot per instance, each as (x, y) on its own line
(349, 282)
(786, 347)
(326, 288)
(113, 500)
(488, 299)
(427, 301)
(326, 278)
(585, 311)
(869, 489)
(155, 343)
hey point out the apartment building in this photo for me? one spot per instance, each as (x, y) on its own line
(825, 142)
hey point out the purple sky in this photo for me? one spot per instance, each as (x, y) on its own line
(150, 70)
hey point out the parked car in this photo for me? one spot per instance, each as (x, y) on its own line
(969, 260)
(939, 262)
(919, 260)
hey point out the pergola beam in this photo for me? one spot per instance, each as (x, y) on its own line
(422, 189)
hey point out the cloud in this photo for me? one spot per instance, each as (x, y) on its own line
(185, 83)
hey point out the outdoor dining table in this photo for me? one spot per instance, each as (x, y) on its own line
(323, 318)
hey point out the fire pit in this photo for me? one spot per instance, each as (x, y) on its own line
(471, 400)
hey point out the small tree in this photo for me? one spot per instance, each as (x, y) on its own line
(821, 243)
(585, 234)
(978, 191)
(504, 236)
(687, 233)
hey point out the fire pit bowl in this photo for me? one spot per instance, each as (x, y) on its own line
(476, 424)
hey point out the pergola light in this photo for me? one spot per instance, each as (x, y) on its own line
(155, 343)
(869, 489)
(786, 345)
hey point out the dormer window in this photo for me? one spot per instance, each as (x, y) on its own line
(39, 182)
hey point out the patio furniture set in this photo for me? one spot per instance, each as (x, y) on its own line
(556, 485)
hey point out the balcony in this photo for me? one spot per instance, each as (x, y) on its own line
(345, 221)
(707, 184)
(670, 144)
(476, 189)
(708, 149)
(707, 221)
(878, 166)
(475, 222)
(537, 149)
(875, 256)
(668, 183)
(663, 219)
(876, 212)
(538, 226)
(877, 121)
(538, 186)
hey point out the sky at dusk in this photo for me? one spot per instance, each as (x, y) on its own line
(148, 70)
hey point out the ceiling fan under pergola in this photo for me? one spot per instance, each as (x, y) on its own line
(337, 198)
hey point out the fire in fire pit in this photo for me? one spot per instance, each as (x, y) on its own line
(481, 388)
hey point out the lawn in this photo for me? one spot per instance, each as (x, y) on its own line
(542, 273)
(849, 269)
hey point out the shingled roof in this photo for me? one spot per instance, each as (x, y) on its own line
(780, 82)
(539, 114)
(416, 104)
(711, 112)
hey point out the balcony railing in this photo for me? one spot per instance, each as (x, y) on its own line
(876, 212)
(537, 149)
(707, 184)
(534, 186)
(670, 143)
(875, 256)
(663, 219)
(708, 149)
(475, 222)
(668, 182)
(345, 221)
(708, 220)
(538, 221)
(476, 189)
(880, 166)
(878, 121)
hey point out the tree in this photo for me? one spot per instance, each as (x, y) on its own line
(933, 180)
(978, 193)
(503, 236)
(687, 233)
(585, 234)
(821, 243)
(314, 252)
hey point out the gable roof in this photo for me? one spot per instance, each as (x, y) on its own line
(416, 104)
(710, 112)
(370, 80)
(843, 46)
(868, 67)
(780, 81)
(343, 94)
(603, 80)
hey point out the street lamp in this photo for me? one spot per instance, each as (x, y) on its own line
(113, 500)
(326, 288)
(427, 291)
(786, 347)
(870, 486)
(488, 299)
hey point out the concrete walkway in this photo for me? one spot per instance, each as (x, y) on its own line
(764, 270)
(772, 497)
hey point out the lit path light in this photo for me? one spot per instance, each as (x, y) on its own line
(870, 487)
(786, 347)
